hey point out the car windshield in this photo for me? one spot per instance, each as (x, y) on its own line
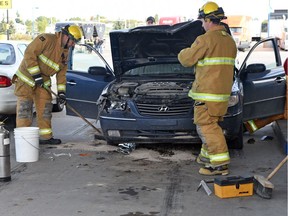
(7, 54)
(160, 70)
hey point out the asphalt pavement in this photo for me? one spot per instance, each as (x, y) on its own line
(87, 177)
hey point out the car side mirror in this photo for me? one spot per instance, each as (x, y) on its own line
(96, 70)
(256, 68)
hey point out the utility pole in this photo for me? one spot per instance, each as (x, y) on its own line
(7, 4)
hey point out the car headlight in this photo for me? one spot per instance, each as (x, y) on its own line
(118, 105)
(233, 100)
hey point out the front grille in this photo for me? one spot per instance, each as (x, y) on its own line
(181, 108)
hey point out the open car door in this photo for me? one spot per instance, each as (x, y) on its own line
(88, 73)
(263, 78)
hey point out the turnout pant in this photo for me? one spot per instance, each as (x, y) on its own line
(214, 146)
(41, 98)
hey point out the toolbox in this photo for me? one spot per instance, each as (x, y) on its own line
(233, 186)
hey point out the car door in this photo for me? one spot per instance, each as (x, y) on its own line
(263, 79)
(88, 73)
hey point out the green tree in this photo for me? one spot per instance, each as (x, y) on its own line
(29, 24)
(76, 19)
(118, 24)
(11, 28)
(3, 27)
(41, 23)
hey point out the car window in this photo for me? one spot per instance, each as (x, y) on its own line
(267, 55)
(83, 58)
(7, 54)
(22, 48)
(161, 69)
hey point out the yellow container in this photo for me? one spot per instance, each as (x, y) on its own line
(234, 186)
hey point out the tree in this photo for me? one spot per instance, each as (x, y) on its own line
(29, 24)
(11, 27)
(118, 24)
(76, 19)
(42, 23)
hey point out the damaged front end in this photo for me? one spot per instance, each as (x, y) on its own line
(147, 111)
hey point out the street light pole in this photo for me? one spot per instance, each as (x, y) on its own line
(33, 21)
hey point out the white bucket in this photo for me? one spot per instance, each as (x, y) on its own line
(26, 144)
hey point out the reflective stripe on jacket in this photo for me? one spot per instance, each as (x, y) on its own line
(30, 81)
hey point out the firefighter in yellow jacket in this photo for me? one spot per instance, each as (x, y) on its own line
(45, 56)
(214, 55)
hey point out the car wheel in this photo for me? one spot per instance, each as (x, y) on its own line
(58, 107)
(236, 142)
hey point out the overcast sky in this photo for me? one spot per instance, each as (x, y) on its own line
(137, 9)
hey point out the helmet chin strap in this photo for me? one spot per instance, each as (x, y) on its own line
(66, 45)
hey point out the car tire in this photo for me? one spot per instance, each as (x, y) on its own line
(236, 142)
(58, 107)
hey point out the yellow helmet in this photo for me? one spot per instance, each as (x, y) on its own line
(212, 11)
(74, 32)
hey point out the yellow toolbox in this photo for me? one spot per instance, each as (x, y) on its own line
(234, 186)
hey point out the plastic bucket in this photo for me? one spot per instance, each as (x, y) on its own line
(26, 144)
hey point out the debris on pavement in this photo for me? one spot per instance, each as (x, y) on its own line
(267, 138)
(62, 154)
(126, 148)
(251, 141)
(85, 154)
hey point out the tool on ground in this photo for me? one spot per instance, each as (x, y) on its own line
(262, 186)
(73, 110)
(233, 186)
(203, 184)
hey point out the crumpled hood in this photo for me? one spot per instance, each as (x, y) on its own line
(147, 45)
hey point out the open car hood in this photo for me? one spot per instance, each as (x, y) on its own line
(148, 45)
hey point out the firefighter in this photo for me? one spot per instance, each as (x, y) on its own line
(45, 56)
(150, 20)
(213, 55)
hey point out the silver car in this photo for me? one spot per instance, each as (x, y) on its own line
(11, 55)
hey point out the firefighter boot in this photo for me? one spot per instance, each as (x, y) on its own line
(218, 170)
(50, 141)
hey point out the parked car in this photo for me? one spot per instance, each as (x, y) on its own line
(145, 98)
(11, 55)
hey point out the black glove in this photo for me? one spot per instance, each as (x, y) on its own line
(62, 98)
(38, 80)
